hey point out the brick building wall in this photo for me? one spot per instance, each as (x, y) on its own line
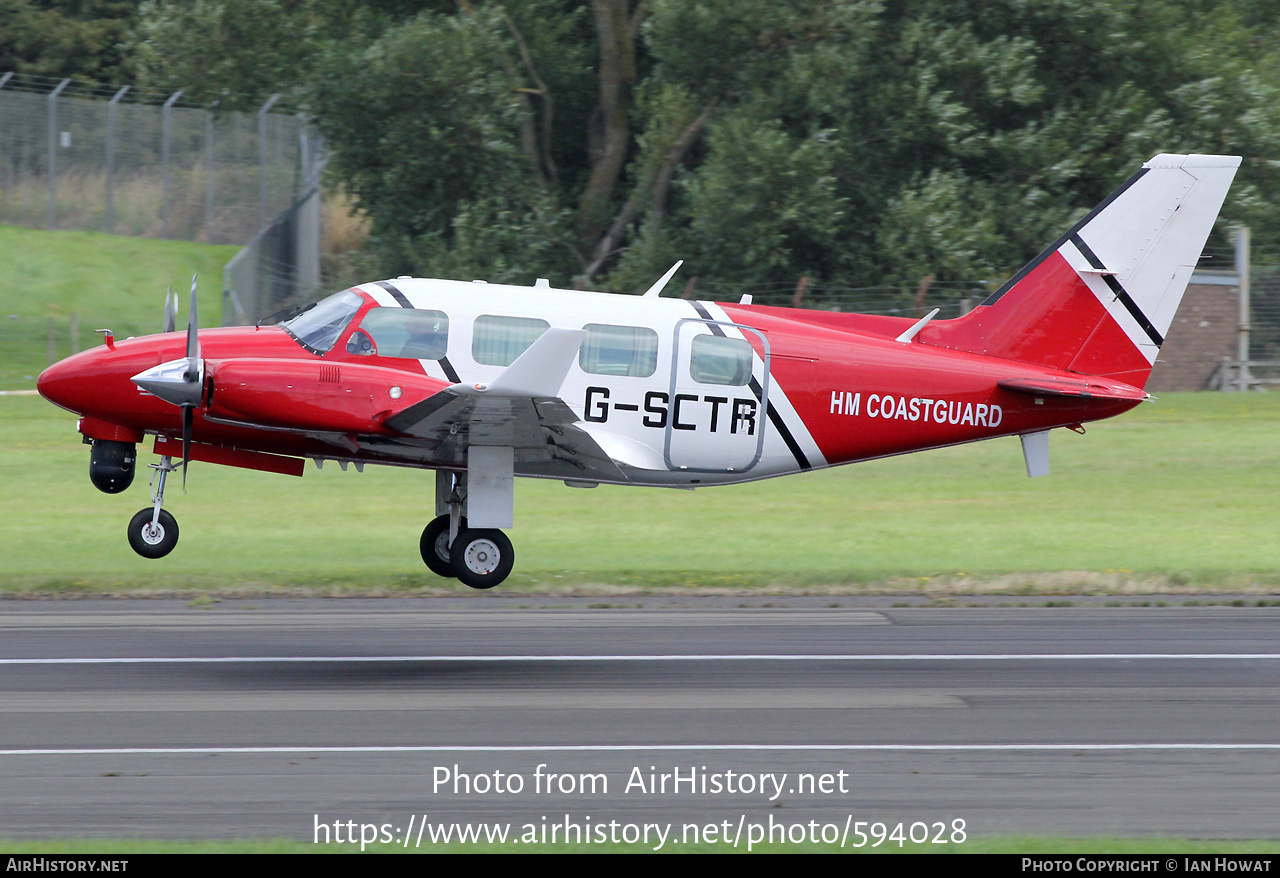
(1203, 334)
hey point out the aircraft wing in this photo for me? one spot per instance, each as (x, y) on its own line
(543, 431)
(519, 408)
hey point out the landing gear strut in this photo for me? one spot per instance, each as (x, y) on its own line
(153, 532)
(478, 557)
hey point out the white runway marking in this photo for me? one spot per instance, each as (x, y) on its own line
(631, 748)
(759, 657)
(365, 699)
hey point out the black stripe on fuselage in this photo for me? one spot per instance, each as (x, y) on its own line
(400, 297)
(449, 371)
(1053, 248)
(1120, 293)
(775, 417)
(403, 301)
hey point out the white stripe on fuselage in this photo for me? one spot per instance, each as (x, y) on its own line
(779, 402)
(464, 302)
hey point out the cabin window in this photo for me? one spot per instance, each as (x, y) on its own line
(630, 351)
(318, 326)
(715, 359)
(412, 333)
(497, 340)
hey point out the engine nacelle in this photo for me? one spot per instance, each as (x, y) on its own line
(111, 465)
(313, 395)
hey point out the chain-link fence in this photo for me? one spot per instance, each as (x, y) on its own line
(1264, 319)
(133, 162)
(279, 267)
(1261, 369)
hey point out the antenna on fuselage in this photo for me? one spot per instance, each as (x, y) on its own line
(653, 291)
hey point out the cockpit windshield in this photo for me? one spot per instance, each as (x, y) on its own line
(317, 328)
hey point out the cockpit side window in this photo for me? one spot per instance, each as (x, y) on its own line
(411, 333)
(317, 328)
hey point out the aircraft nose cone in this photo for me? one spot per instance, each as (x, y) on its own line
(58, 385)
(80, 383)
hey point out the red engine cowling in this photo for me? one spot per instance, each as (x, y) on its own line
(310, 395)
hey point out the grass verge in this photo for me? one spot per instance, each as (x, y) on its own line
(105, 280)
(1181, 496)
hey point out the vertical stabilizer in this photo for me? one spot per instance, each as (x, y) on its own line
(1101, 298)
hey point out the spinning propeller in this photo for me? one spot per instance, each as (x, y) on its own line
(179, 382)
(170, 311)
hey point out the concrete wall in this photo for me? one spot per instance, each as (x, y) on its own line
(1203, 334)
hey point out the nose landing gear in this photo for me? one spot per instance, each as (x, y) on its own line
(154, 532)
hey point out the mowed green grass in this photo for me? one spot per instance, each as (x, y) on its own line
(107, 281)
(1180, 494)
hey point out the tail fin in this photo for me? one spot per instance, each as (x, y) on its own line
(1101, 298)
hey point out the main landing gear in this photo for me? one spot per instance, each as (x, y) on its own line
(480, 557)
(153, 532)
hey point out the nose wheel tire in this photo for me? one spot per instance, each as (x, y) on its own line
(153, 540)
(434, 546)
(482, 557)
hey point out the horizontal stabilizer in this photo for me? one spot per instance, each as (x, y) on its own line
(1091, 388)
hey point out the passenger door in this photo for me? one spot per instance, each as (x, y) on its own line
(719, 390)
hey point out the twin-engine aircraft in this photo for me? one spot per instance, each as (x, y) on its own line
(484, 382)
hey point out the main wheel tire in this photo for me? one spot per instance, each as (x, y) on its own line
(482, 557)
(434, 546)
(153, 541)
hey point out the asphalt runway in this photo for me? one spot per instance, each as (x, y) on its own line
(280, 718)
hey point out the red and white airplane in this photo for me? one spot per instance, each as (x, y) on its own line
(483, 382)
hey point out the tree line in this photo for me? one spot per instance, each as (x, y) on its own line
(855, 143)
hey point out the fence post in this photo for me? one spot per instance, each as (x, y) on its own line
(111, 159)
(167, 112)
(262, 159)
(1243, 376)
(208, 177)
(53, 152)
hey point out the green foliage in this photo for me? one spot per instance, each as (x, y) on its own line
(232, 53)
(765, 204)
(856, 142)
(81, 39)
(944, 227)
(426, 135)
